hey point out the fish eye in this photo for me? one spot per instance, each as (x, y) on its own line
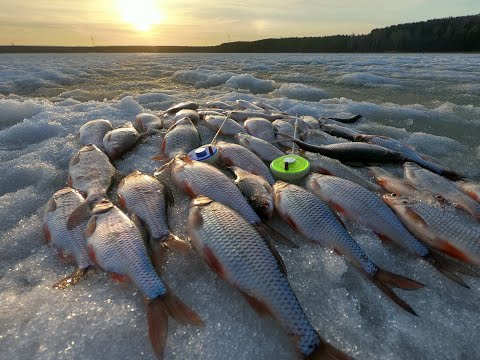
(115, 148)
(266, 205)
(405, 202)
(394, 194)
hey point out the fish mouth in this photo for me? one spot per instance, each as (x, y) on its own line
(279, 185)
(201, 201)
(396, 199)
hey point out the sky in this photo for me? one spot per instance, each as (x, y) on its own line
(207, 22)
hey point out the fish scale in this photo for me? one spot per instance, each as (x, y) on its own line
(249, 265)
(360, 204)
(233, 154)
(119, 248)
(426, 180)
(144, 196)
(263, 149)
(437, 226)
(313, 218)
(261, 128)
(198, 178)
(74, 242)
(181, 138)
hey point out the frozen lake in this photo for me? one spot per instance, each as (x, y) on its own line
(429, 101)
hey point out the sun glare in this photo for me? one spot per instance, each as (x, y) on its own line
(142, 14)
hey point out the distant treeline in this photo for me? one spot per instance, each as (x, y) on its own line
(453, 34)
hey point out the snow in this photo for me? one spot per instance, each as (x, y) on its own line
(48, 97)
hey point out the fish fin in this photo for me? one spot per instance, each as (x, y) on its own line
(168, 195)
(277, 255)
(213, 262)
(384, 238)
(452, 175)
(188, 189)
(160, 157)
(81, 214)
(472, 194)
(120, 278)
(258, 306)
(386, 280)
(448, 267)
(47, 234)
(122, 202)
(268, 232)
(452, 251)
(327, 352)
(69, 181)
(91, 226)
(179, 311)
(73, 279)
(157, 319)
(339, 209)
(51, 205)
(177, 244)
(158, 255)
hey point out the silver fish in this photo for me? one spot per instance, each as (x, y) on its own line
(257, 190)
(242, 115)
(117, 246)
(183, 105)
(312, 122)
(118, 141)
(148, 198)
(92, 132)
(428, 181)
(230, 127)
(311, 217)
(261, 128)
(237, 155)
(408, 152)
(219, 105)
(263, 149)
(267, 107)
(148, 123)
(90, 172)
(187, 113)
(240, 256)
(285, 128)
(181, 138)
(340, 131)
(70, 242)
(320, 137)
(328, 166)
(437, 228)
(247, 105)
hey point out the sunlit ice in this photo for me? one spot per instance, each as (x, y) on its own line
(142, 14)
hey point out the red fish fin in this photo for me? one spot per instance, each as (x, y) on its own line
(336, 207)
(51, 205)
(64, 257)
(69, 181)
(323, 171)
(122, 202)
(120, 278)
(160, 157)
(452, 251)
(417, 218)
(179, 311)
(47, 234)
(273, 235)
(473, 195)
(157, 319)
(386, 280)
(327, 352)
(91, 226)
(448, 268)
(214, 263)
(384, 238)
(259, 306)
(73, 278)
(188, 190)
(81, 214)
(176, 244)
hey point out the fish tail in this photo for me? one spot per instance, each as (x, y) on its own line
(74, 278)
(327, 352)
(157, 319)
(271, 234)
(160, 246)
(449, 267)
(386, 281)
(179, 311)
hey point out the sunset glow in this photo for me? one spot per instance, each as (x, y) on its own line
(142, 14)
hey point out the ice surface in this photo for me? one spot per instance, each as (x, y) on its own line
(436, 110)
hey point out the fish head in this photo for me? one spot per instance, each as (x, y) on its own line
(102, 206)
(397, 200)
(263, 205)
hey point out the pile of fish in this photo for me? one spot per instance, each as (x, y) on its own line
(119, 224)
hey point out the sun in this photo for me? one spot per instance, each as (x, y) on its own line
(142, 14)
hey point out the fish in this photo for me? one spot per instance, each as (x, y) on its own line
(148, 123)
(267, 107)
(247, 105)
(219, 105)
(361, 205)
(320, 137)
(204, 112)
(147, 198)
(263, 149)
(302, 126)
(349, 120)
(408, 152)
(117, 247)
(283, 127)
(69, 242)
(352, 152)
(237, 155)
(181, 138)
(437, 228)
(261, 128)
(91, 172)
(187, 113)
(340, 131)
(119, 140)
(197, 178)
(228, 126)
(312, 122)
(242, 115)
(471, 189)
(93, 131)
(311, 217)
(436, 184)
(257, 190)
(238, 254)
(191, 105)
(328, 166)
